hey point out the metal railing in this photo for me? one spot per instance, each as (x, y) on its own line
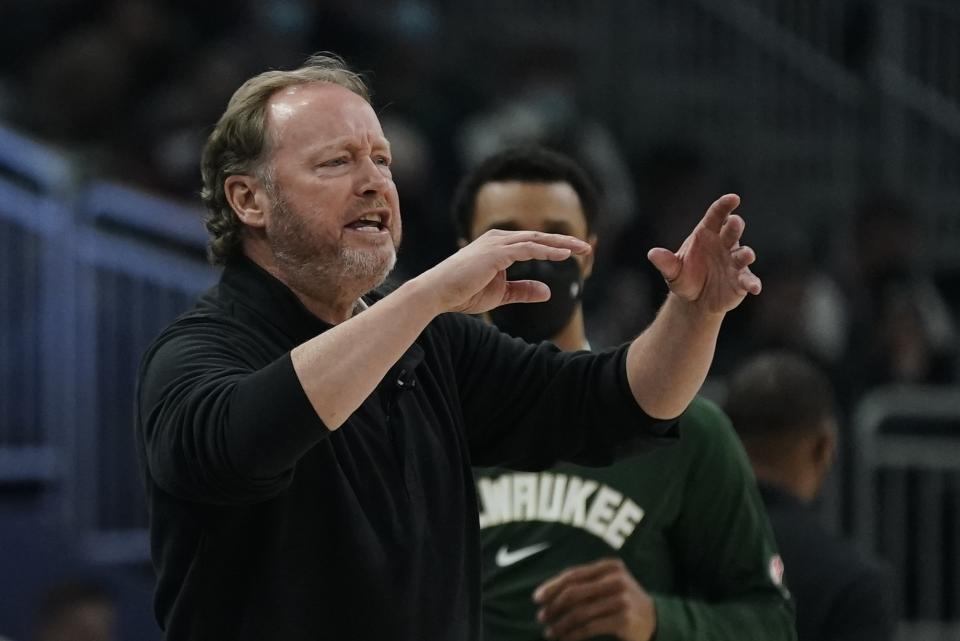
(36, 352)
(907, 495)
(129, 310)
(28, 262)
(88, 276)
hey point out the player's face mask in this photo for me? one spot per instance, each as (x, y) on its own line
(535, 322)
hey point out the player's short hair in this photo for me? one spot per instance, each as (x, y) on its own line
(523, 164)
(778, 394)
(239, 143)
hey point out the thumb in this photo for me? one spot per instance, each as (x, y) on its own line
(665, 261)
(525, 291)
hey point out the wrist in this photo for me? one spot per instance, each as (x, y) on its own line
(422, 296)
(693, 311)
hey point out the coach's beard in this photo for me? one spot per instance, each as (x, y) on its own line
(326, 272)
(357, 265)
(321, 269)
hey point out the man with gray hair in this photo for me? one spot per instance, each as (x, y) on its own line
(306, 441)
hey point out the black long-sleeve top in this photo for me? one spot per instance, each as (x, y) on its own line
(266, 525)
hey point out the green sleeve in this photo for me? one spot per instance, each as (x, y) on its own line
(724, 546)
(742, 619)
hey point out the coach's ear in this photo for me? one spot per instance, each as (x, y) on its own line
(247, 198)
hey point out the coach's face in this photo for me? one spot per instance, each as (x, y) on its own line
(332, 215)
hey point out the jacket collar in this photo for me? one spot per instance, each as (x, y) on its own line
(259, 292)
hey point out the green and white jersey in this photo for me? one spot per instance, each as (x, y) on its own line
(687, 520)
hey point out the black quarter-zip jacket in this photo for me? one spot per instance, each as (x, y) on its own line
(266, 526)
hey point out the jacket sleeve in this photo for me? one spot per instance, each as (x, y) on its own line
(528, 406)
(725, 547)
(215, 425)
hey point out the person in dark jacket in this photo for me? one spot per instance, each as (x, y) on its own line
(783, 408)
(306, 443)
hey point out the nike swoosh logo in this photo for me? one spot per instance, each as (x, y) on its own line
(505, 557)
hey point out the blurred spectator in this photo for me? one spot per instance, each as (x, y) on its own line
(27, 27)
(803, 308)
(48, 585)
(782, 407)
(421, 97)
(146, 79)
(172, 120)
(130, 86)
(539, 104)
(89, 70)
(77, 611)
(901, 328)
(673, 179)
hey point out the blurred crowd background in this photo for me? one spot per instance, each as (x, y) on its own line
(838, 121)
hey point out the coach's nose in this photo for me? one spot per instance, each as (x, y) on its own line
(373, 177)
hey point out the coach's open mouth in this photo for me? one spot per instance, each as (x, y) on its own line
(372, 221)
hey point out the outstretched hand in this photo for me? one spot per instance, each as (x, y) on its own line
(474, 279)
(711, 268)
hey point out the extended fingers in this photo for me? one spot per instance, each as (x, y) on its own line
(732, 230)
(749, 282)
(743, 257)
(719, 211)
(575, 245)
(530, 250)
